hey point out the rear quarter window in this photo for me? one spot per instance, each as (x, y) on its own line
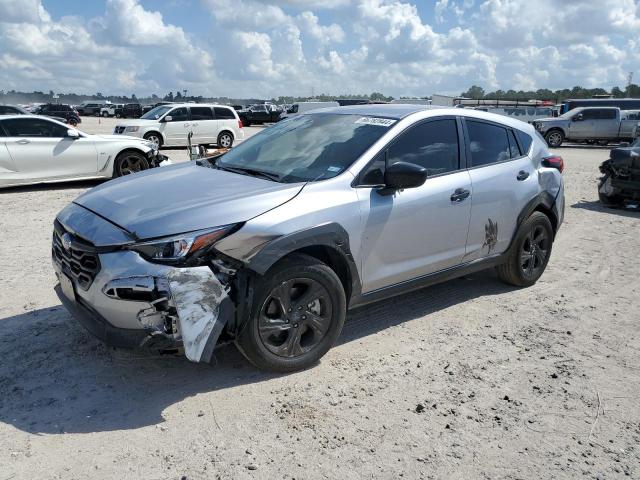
(224, 113)
(525, 141)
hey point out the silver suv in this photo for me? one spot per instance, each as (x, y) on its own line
(269, 244)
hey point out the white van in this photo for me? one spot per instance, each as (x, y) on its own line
(170, 125)
(301, 107)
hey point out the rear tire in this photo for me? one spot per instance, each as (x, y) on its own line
(530, 252)
(225, 140)
(127, 163)
(554, 138)
(298, 311)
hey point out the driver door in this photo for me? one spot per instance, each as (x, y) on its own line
(41, 149)
(417, 231)
(177, 129)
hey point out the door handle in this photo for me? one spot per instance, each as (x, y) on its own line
(185, 125)
(459, 195)
(23, 142)
(522, 175)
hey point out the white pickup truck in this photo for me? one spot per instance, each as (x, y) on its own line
(590, 124)
(109, 110)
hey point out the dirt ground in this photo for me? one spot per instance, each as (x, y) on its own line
(469, 379)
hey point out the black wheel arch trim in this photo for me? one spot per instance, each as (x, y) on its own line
(331, 235)
(545, 202)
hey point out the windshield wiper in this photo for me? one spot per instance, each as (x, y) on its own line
(274, 177)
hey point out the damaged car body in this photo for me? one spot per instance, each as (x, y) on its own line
(269, 244)
(620, 184)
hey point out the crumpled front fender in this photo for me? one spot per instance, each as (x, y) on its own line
(203, 307)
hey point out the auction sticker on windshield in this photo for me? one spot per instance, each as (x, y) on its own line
(380, 122)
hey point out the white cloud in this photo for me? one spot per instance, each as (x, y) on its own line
(289, 47)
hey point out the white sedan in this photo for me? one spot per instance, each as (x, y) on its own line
(35, 149)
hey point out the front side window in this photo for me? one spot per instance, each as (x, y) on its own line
(432, 145)
(489, 143)
(180, 114)
(33, 127)
(308, 147)
(201, 113)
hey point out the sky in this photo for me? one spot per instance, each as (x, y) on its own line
(264, 49)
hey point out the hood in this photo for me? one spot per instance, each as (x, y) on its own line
(122, 138)
(183, 198)
(621, 153)
(549, 119)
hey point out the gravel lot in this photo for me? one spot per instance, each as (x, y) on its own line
(468, 379)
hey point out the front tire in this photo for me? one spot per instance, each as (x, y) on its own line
(225, 140)
(529, 253)
(554, 138)
(298, 312)
(129, 162)
(154, 137)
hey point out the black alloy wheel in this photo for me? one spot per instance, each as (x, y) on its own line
(535, 252)
(295, 317)
(297, 312)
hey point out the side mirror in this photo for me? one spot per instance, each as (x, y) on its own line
(578, 118)
(73, 134)
(168, 118)
(404, 175)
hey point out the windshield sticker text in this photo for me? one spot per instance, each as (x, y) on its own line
(380, 122)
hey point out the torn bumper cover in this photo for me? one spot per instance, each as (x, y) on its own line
(130, 302)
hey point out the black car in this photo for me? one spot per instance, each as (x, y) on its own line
(148, 108)
(89, 109)
(257, 114)
(129, 110)
(620, 184)
(59, 110)
(13, 110)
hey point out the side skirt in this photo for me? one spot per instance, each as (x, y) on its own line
(428, 280)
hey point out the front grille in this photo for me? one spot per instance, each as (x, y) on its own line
(119, 130)
(80, 261)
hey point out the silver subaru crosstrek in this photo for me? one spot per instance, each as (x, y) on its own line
(269, 244)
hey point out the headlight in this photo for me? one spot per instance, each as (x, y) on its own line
(131, 129)
(180, 249)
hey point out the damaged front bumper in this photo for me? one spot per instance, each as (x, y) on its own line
(128, 302)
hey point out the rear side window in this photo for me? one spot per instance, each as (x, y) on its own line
(489, 143)
(33, 127)
(201, 113)
(525, 141)
(432, 145)
(224, 113)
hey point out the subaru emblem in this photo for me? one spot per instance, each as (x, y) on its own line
(66, 241)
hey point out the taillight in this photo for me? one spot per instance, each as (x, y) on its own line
(554, 161)
(240, 124)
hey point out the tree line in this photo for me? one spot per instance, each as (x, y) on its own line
(477, 93)
(13, 96)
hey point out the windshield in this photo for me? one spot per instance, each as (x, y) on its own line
(569, 113)
(156, 113)
(307, 147)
